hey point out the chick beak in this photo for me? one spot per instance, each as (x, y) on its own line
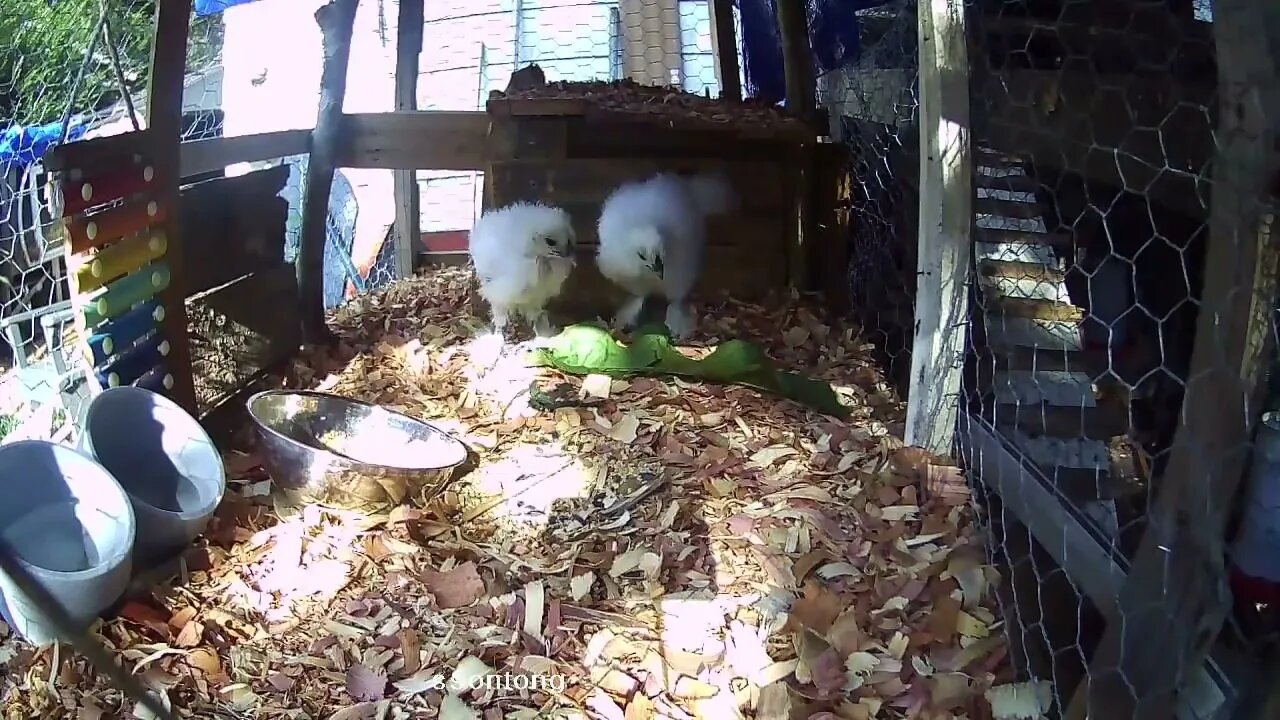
(657, 266)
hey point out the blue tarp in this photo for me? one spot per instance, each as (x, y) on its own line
(833, 33)
(213, 7)
(25, 145)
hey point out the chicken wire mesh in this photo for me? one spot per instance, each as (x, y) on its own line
(1095, 127)
(69, 71)
(472, 48)
(870, 98)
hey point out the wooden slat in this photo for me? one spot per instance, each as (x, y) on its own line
(1020, 270)
(164, 115)
(760, 185)
(202, 156)
(945, 243)
(1033, 309)
(538, 107)
(992, 235)
(119, 259)
(409, 26)
(131, 365)
(724, 44)
(332, 133)
(1010, 183)
(86, 157)
(426, 140)
(1175, 599)
(234, 339)
(96, 189)
(116, 298)
(1007, 208)
(89, 232)
(1095, 423)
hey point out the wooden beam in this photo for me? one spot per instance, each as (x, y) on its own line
(336, 20)
(724, 43)
(202, 156)
(164, 121)
(797, 58)
(1175, 599)
(423, 140)
(408, 49)
(946, 220)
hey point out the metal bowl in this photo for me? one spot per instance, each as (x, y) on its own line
(345, 453)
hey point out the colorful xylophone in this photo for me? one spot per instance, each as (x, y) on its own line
(113, 225)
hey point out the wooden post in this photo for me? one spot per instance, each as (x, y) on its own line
(797, 58)
(164, 118)
(1175, 598)
(337, 21)
(946, 218)
(408, 234)
(724, 43)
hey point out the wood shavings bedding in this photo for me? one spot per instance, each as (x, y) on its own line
(663, 549)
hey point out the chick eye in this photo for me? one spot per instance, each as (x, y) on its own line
(640, 255)
(549, 241)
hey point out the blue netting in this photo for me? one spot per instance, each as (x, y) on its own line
(213, 7)
(833, 34)
(24, 145)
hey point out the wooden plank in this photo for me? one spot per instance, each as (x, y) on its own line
(407, 193)
(797, 59)
(202, 156)
(1175, 599)
(1033, 309)
(422, 140)
(233, 340)
(1020, 270)
(164, 117)
(85, 157)
(235, 226)
(998, 235)
(95, 189)
(946, 218)
(761, 185)
(1096, 423)
(1013, 209)
(336, 20)
(90, 232)
(119, 259)
(537, 107)
(724, 43)
(631, 136)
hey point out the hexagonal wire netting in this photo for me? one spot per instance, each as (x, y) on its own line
(1094, 127)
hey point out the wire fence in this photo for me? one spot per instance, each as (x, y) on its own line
(871, 100)
(69, 71)
(1099, 157)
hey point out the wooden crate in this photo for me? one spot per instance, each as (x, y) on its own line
(563, 153)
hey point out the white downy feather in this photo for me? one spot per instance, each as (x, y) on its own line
(522, 254)
(653, 238)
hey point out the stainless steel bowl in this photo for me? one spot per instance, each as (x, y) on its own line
(345, 453)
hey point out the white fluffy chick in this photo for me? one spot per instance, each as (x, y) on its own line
(652, 240)
(523, 254)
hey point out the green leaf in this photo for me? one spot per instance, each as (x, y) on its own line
(587, 349)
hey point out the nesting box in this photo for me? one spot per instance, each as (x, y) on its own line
(573, 155)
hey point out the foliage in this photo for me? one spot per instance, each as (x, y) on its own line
(43, 43)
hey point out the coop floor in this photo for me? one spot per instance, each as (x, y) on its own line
(782, 564)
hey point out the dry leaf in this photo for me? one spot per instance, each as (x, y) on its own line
(625, 430)
(366, 684)
(458, 587)
(818, 608)
(580, 585)
(1021, 701)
